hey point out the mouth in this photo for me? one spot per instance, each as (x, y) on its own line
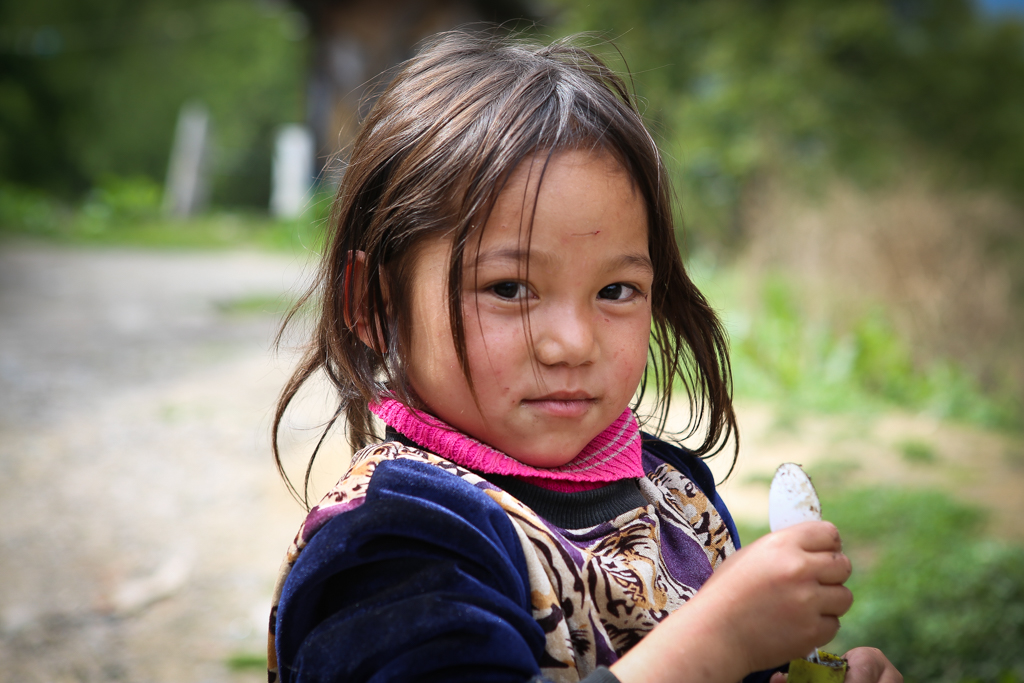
(562, 403)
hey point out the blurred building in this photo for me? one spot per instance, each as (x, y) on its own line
(356, 40)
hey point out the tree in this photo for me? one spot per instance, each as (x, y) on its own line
(93, 87)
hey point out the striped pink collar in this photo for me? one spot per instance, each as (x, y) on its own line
(613, 454)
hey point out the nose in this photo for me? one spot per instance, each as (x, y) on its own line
(564, 335)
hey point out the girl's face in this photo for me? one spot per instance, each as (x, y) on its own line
(588, 303)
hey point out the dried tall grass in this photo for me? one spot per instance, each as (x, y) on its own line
(949, 267)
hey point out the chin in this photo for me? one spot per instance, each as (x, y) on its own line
(548, 458)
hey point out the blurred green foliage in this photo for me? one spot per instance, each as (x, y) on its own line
(123, 211)
(806, 88)
(849, 361)
(943, 601)
(247, 661)
(947, 602)
(917, 451)
(736, 89)
(91, 89)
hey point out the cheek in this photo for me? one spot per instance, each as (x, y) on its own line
(496, 347)
(631, 355)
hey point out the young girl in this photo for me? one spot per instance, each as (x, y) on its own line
(502, 279)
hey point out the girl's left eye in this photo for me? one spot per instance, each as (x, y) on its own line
(509, 290)
(616, 292)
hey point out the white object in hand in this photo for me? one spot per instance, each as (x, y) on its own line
(792, 498)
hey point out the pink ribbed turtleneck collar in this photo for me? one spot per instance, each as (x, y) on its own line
(612, 455)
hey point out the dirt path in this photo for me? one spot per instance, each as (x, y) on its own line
(141, 520)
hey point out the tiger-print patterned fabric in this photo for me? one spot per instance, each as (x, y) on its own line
(594, 591)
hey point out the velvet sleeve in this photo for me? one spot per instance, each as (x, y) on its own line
(425, 581)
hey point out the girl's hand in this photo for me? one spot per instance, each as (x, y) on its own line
(773, 601)
(866, 665)
(782, 596)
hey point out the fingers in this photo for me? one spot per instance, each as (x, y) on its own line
(816, 536)
(835, 601)
(828, 567)
(869, 665)
(778, 677)
(834, 568)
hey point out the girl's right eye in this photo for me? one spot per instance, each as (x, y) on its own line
(509, 290)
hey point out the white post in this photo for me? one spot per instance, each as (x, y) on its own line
(293, 170)
(185, 191)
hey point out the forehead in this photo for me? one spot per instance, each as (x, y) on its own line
(567, 200)
(594, 165)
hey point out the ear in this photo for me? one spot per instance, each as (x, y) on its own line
(354, 297)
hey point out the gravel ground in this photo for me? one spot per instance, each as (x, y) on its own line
(141, 520)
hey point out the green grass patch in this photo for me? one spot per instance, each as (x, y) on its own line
(759, 479)
(750, 532)
(833, 473)
(257, 304)
(917, 451)
(247, 661)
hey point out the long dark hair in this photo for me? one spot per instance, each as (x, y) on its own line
(430, 160)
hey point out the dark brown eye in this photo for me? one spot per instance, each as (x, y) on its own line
(615, 292)
(509, 290)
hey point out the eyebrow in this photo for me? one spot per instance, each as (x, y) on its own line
(543, 259)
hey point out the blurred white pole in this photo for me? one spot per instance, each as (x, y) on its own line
(185, 191)
(293, 170)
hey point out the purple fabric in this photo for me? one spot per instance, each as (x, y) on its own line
(684, 557)
(318, 516)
